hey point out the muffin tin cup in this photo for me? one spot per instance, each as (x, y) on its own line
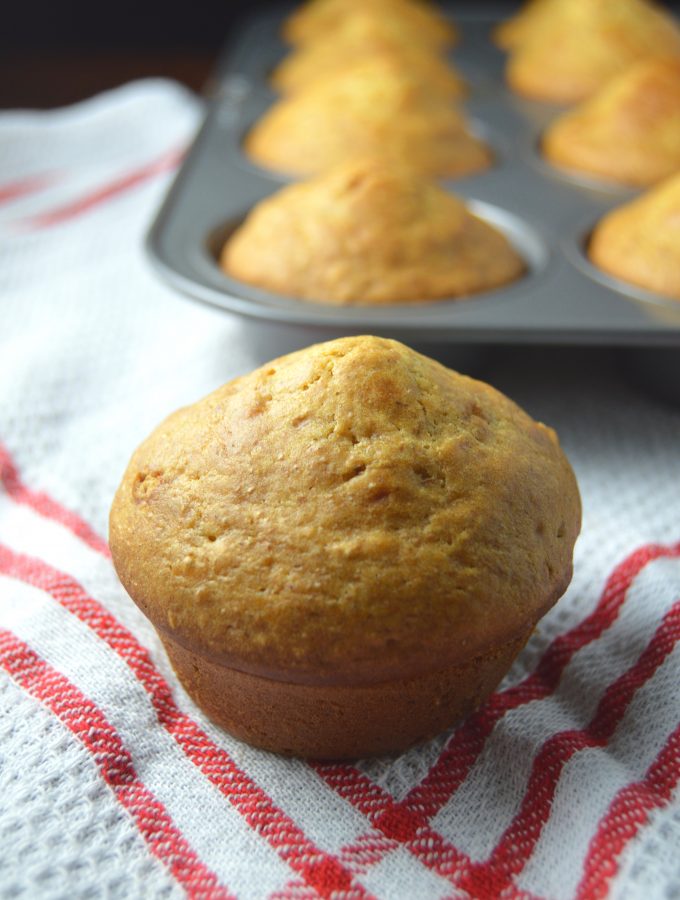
(547, 213)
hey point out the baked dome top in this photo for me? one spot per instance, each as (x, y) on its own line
(352, 512)
(369, 233)
(365, 32)
(375, 108)
(530, 18)
(318, 18)
(628, 132)
(639, 242)
(583, 43)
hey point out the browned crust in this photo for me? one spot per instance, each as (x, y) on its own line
(338, 721)
(421, 665)
(361, 35)
(368, 233)
(629, 132)
(315, 20)
(376, 108)
(510, 33)
(352, 513)
(572, 51)
(639, 242)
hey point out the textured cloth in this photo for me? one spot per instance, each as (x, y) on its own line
(112, 783)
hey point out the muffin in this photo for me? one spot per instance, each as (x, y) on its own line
(377, 107)
(369, 233)
(343, 551)
(365, 33)
(640, 241)
(586, 42)
(530, 18)
(317, 19)
(629, 132)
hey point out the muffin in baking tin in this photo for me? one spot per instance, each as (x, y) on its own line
(583, 43)
(369, 232)
(365, 33)
(530, 18)
(316, 19)
(629, 132)
(639, 242)
(377, 107)
(344, 550)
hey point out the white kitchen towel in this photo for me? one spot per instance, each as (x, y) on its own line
(112, 783)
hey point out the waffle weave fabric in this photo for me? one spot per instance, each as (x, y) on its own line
(112, 783)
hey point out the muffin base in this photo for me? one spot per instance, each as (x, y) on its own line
(339, 721)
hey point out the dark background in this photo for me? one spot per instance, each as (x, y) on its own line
(52, 52)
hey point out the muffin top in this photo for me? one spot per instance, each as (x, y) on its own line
(365, 32)
(533, 16)
(640, 241)
(369, 233)
(582, 43)
(628, 132)
(318, 18)
(353, 512)
(376, 108)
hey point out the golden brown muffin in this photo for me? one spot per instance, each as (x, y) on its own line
(583, 43)
(344, 550)
(369, 233)
(640, 241)
(629, 132)
(377, 107)
(365, 33)
(512, 32)
(317, 19)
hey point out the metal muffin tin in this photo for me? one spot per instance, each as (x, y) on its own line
(546, 213)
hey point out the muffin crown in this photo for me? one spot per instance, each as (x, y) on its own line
(581, 43)
(639, 242)
(376, 106)
(375, 89)
(530, 18)
(369, 232)
(365, 35)
(642, 94)
(349, 513)
(320, 17)
(629, 131)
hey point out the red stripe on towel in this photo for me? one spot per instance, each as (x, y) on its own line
(322, 871)
(114, 188)
(467, 743)
(45, 506)
(14, 190)
(628, 813)
(519, 840)
(87, 722)
(391, 820)
(407, 822)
